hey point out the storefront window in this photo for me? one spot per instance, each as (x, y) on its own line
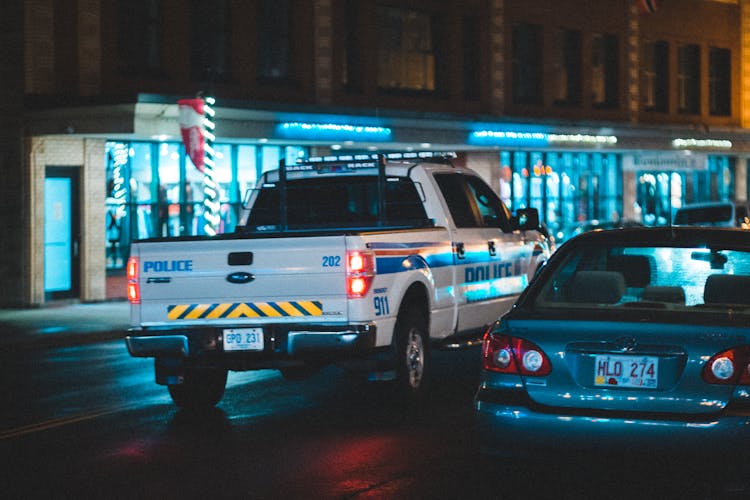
(168, 208)
(117, 220)
(247, 174)
(153, 189)
(566, 188)
(659, 193)
(551, 214)
(270, 159)
(506, 178)
(223, 177)
(568, 193)
(537, 178)
(520, 180)
(142, 190)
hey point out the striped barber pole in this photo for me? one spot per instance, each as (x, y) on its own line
(211, 204)
(196, 117)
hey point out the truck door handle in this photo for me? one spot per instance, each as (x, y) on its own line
(460, 251)
(491, 248)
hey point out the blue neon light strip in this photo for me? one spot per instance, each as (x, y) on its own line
(332, 131)
(516, 138)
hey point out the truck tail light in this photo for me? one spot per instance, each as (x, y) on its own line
(360, 270)
(512, 355)
(134, 291)
(729, 367)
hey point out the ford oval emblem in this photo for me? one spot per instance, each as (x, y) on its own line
(240, 277)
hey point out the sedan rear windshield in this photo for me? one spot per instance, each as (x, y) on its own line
(606, 277)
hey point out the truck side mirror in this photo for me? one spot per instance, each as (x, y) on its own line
(526, 219)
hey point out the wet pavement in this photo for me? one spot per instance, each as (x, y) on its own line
(63, 324)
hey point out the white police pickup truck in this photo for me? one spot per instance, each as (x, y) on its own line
(364, 263)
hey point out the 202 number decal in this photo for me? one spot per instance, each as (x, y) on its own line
(331, 261)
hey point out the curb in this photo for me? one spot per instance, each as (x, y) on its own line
(73, 339)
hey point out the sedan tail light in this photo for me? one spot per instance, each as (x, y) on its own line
(729, 367)
(506, 354)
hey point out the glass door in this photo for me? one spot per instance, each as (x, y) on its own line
(61, 233)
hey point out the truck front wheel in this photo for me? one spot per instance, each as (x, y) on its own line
(201, 389)
(412, 353)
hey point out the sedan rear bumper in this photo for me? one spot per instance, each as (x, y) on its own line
(514, 428)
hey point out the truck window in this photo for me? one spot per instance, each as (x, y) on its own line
(453, 188)
(472, 203)
(338, 202)
(492, 211)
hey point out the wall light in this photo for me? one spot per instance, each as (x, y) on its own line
(701, 143)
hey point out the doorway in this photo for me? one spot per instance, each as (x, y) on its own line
(61, 233)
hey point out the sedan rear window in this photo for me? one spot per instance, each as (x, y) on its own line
(650, 277)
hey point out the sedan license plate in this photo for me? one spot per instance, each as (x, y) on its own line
(243, 339)
(626, 371)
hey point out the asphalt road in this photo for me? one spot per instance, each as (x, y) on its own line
(89, 422)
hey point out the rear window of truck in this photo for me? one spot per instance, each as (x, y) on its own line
(338, 202)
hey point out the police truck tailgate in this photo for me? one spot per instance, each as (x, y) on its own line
(242, 281)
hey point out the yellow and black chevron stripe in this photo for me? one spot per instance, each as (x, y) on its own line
(245, 310)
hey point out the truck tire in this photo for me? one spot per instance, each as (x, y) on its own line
(201, 389)
(411, 352)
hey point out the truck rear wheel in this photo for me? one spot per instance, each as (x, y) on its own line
(201, 389)
(412, 353)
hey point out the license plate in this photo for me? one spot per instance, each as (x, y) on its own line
(626, 371)
(243, 339)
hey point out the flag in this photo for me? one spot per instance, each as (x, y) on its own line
(647, 6)
(191, 128)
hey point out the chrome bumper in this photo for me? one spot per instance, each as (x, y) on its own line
(161, 345)
(305, 340)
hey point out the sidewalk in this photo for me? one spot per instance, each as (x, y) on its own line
(62, 325)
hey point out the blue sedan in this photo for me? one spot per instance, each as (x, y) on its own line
(628, 340)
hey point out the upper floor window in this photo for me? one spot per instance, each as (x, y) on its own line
(409, 50)
(526, 48)
(276, 40)
(567, 68)
(689, 79)
(471, 54)
(352, 61)
(140, 36)
(719, 82)
(605, 62)
(655, 88)
(209, 40)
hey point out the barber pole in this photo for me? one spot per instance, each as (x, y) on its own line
(211, 203)
(196, 117)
